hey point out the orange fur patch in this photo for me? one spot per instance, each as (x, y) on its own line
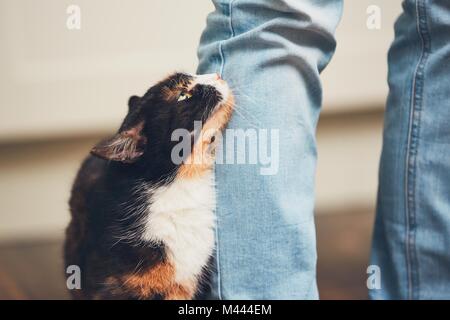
(179, 292)
(159, 280)
(171, 94)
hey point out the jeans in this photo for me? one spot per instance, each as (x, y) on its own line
(411, 242)
(271, 52)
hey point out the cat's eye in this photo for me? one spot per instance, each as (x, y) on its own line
(184, 96)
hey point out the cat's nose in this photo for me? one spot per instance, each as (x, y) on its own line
(218, 76)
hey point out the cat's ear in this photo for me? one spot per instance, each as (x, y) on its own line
(126, 146)
(133, 101)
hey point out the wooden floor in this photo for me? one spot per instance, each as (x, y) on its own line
(33, 270)
(343, 245)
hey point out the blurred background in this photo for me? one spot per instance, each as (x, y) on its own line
(61, 90)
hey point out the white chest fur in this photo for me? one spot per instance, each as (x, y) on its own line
(181, 216)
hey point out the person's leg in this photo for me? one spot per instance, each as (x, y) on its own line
(271, 52)
(412, 232)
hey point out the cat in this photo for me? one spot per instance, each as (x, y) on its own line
(142, 225)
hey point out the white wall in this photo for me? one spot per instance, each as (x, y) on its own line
(61, 89)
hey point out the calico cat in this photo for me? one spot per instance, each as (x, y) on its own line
(142, 224)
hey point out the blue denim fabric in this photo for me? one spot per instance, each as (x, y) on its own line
(271, 52)
(411, 243)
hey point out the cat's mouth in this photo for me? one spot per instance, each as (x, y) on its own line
(203, 146)
(226, 97)
(214, 80)
(220, 114)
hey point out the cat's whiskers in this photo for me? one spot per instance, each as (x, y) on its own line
(239, 93)
(245, 115)
(237, 110)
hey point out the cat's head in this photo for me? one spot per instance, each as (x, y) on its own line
(177, 102)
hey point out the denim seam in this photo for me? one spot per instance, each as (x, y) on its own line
(221, 72)
(411, 154)
(219, 278)
(231, 18)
